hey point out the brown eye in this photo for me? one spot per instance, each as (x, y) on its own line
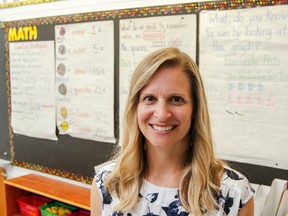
(149, 99)
(177, 100)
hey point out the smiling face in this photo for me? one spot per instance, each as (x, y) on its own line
(165, 109)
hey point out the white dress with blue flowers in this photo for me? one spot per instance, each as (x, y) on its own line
(235, 192)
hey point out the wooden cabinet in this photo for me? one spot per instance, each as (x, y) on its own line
(54, 189)
(2, 192)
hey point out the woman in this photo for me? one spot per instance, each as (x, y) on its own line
(166, 165)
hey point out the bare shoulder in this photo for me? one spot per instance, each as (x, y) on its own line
(96, 200)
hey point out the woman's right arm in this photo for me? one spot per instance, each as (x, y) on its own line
(96, 200)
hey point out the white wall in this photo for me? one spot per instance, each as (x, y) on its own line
(66, 7)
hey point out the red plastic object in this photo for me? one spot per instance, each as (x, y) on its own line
(29, 205)
(80, 213)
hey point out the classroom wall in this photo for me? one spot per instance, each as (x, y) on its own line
(4, 129)
(49, 10)
(264, 175)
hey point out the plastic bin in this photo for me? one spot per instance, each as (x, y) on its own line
(45, 212)
(80, 213)
(29, 205)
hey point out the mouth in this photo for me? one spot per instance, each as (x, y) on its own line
(163, 128)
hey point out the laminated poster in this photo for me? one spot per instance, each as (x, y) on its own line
(141, 36)
(85, 80)
(243, 61)
(33, 89)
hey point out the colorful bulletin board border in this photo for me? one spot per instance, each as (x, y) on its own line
(59, 173)
(23, 3)
(114, 14)
(148, 11)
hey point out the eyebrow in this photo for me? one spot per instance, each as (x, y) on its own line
(169, 95)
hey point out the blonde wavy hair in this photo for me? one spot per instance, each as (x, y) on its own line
(201, 177)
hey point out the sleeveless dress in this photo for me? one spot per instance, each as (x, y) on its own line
(235, 192)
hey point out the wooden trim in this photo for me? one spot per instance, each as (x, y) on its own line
(3, 209)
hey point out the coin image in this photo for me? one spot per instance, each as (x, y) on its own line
(62, 49)
(64, 126)
(61, 69)
(63, 112)
(62, 89)
(62, 31)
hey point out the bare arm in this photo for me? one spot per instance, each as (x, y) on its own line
(248, 209)
(96, 201)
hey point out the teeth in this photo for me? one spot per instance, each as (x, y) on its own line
(161, 128)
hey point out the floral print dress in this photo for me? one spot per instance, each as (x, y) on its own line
(235, 192)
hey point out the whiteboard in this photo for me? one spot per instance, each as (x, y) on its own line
(243, 60)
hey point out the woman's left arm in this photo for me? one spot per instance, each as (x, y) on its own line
(95, 200)
(247, 209)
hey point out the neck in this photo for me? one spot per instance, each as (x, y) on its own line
(164, 168)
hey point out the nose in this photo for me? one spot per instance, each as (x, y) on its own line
(162, 111)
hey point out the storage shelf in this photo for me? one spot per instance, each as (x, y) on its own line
(54, 189)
